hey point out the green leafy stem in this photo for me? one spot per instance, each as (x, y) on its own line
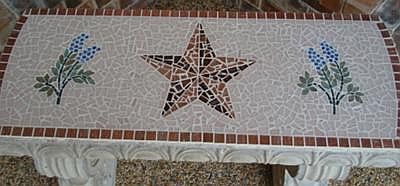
(67, 68)
(332, 81)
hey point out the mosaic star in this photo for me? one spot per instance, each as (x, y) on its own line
(198, 74)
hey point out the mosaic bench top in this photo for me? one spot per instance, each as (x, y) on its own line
(214, 77)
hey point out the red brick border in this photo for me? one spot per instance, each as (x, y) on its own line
(205, 137)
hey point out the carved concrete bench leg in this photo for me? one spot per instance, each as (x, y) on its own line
(316, 175)
(78, 172)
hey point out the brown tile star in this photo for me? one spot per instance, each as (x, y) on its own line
(198, 74)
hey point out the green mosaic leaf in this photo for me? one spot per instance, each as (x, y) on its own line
(335, 70)
(349, 87)
(359, 94)
(66, 52)
(52, 79)
(58, 65)
(46, 77)
(346, 74)
(341, 64)
(44, 89)
(38, 85)
(302, 85)
(77, 80)
(73, 56)
(325, 85)
(306, 75)
(313, 89)
(351, 98)
(40, 79)
(358, 99)
(347, 80)
(61, 59)
(305, 91)
(302, 79)
(85, 80)
(355, 89)
(50, 92)
(310, 80)
(90, 80)
(88, 73)
(54, 71)
(334, 83)
(345, 69)
(70, 62)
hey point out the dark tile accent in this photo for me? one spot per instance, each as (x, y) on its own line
(71, 133)
(230, 138)
(365, 142)
(299, 15)
(162, 136)
(117, 134)
(344, 142)
(185, 136)
(387, 143)
(6, 130)
(381, 26)
(16, 131)
(241, 139)
(253, 139)
(280, 15)
(298, 141)
(94, 133)
(105, 134)
(287, 140)
(208, 137)
(310, 141)
(151, 135)
(60, 132)
(173, 136)
(139, 135)
(129, 134)
(318, 16)
(219, 138)
(38, 132)
(264, 140)
(289, 15)
(108, 12)
(321, 141)
(376, 143)
(28, 131)
(49, 132)
(276, 140)
(332, 142)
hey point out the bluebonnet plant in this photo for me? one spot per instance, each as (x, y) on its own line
(69, 67)
(333, 76)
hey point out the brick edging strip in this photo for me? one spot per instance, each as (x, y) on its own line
(205, 137)
(218, 138)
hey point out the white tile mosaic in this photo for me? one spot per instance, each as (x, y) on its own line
(130, 94)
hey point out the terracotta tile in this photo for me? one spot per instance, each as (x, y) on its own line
(213, 14)
(38, 132)
(394, 59)
(385, 33)
(276, 140)
(183, 13)
(321, 141)
(347, 17)
(165, 13)
(203, 14)
(392, 51)
(232, 14)
(16, 131)
(3, 66)
(253, 139)
(264, 140)
(129, 134)
(208, 137)
(327, 16)
(174, 13)
(261, 15)
(318, 16)
(28, 131)
(242, 15)
(94, 133)
(60, 132)
(126, 12)
(162, 136)
(108, 12)
(376, 143)
(4, 57)
(387, 143)
(396, 67)
(80, 11)
(10, 41)
(105, 134)
(280, 15)
(99, 12)
(356, 17)
(344, 142)
(381, 26)
(34, 11)
(309, 15)
(388, 42)
(298, 141)
(374, 17)
(157, 13)
(140, 12)
(89, 12)
(1, 74)
(184, 136)
(287, 140)
(196, 136)
(289, 15)
(49, 132)
(139, 135)
(71, 133)
(173, 136)
(310, 141)
(6, 130)
(43, 11)
(252, 15)
(365, 17)
(22, 19)
(396, 143)
(52, 11)
(230, 138)
(193, 13)
(271, 15)
(62, 11)
(337, 16)
(365, 142)
(14, 34)
(241, 139)
(219, 138)
(71, 11)
(151, 135)
(18, 26)
(332, 142)
(117, 134)
(299, 15)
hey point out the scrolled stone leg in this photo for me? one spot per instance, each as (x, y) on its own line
(78, 172)
(316, 175)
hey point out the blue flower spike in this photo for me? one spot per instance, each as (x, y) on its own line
(316, 59)
(331, 54)
(88, 53)
(78, 42)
